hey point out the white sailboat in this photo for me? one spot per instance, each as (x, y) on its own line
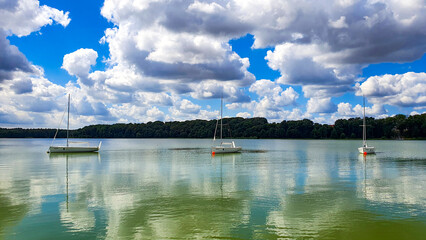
(365, 149)
(68, 148)
(224, 147)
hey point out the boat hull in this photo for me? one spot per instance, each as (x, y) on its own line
(65, 149)
(218, 150)
(367, 150)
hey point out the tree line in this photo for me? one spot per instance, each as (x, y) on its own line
(396, 127)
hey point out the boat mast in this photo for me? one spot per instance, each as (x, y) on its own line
(221, 108)
(364, 129)
(68, 123)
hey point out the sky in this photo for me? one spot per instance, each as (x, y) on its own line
(134, 61)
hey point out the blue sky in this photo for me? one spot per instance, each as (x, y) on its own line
(139, 61)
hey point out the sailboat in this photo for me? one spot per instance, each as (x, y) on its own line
(68, 148)
(365, 149)
(224, 147)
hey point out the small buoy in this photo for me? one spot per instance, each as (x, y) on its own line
(365, 153)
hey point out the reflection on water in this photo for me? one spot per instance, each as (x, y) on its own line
(75, 215)
(174, 188)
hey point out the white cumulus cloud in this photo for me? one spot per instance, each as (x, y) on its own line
(175, 43)
(272, 93)
(22, 17)
(320, 105)
(78, 63)
(243, 114)
(345, 110)
(403, 90)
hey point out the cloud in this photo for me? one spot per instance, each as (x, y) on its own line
(184, 107)
(202, 7)
(356, 32)
(188, 107)
(264, 87)
(189, 49)
(296, 114)
(214, 19)
(345, 111)
(167, 55)
(297, 66)
(29, 101)
(127, 112)
(78, 63)
(340, 23)
(22, 86)
(120, 93)
(26, 16)
(272, 95)
(181, 46)
(215, 89)
(324, 91)
(320, 105)
(415, 113)
(402, 90)
(21, 18)
(244, 115)
(303, 64)
(154, 114)
(279, 116)
(8, 5)
(270, 102)
(158, 99)
(81, 105)
(32, 104)
(326, 45)
(124, 80)
(233, 106)
(11, 59)
(264, 109)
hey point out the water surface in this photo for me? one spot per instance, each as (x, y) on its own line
(174, 188)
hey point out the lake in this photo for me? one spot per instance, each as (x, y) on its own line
(175, 188)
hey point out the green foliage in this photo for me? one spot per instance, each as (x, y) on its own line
(397, 127)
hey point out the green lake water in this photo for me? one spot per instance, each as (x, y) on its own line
(175, 189)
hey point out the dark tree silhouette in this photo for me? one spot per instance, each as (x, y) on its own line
(396, 127)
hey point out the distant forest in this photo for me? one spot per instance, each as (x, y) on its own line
(396, 127)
